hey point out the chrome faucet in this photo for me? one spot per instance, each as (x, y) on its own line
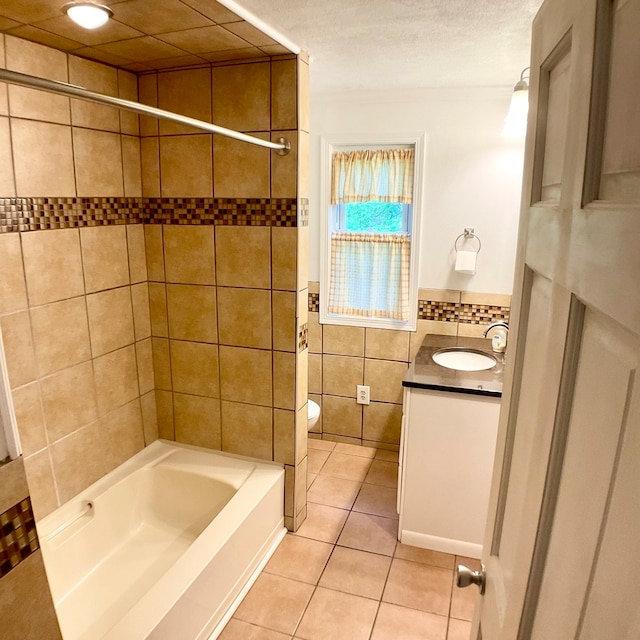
(500, 323)
(499, 340)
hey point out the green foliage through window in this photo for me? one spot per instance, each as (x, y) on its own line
(376, 217)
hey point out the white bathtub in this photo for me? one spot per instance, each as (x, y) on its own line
(164, 546)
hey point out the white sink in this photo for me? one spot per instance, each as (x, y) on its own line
(463, 359)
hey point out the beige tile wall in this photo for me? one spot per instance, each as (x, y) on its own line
(74, 308)
(60, 146)
(189, 332)
(226, 307)
(78, 353)
(225, 342)
(258, 98)
(341, 357)
(26, 607)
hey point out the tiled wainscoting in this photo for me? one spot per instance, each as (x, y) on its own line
(341, 357)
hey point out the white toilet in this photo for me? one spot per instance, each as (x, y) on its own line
(313, 413)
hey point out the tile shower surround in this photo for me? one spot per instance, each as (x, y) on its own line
(150, 175)
(171, 352)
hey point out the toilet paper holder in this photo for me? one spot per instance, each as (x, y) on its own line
(467, 235)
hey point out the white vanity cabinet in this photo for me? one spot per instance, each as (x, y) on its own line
(446, 462)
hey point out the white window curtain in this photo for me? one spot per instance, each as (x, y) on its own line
(369, 274)
(382, 175)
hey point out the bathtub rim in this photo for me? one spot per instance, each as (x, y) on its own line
(150, 455)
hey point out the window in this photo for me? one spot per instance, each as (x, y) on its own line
(369, 241)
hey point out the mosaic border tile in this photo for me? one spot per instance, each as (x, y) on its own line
(314, 302)
(18, 536)
(462, 313)
(439, 311)
(34, 214)
(303, 337)
(482, 313)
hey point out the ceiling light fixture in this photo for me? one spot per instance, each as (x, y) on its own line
(87, 14)
(515, 124)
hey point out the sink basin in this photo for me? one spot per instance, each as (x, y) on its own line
(463, 359)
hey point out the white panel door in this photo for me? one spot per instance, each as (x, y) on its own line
(561, 548)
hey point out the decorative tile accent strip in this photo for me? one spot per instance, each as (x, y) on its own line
(482, 313)
(314, 302)
(31, 214)
(464, 313)
(303, 337)
(440, 311)
(303, 214)
(18, 537)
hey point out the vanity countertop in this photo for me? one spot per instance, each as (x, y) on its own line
(424, 373)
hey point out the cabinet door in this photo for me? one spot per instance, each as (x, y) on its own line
(448, 458)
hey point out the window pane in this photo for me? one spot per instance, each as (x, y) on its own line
(380, 217)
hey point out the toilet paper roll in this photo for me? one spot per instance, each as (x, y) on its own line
(466, 262)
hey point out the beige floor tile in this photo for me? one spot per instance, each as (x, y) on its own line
(300, 559)
(463, 602)
(357, 572)
(275, 602)
(334, 492)
(394, 622)
(383, 473)
(310, 478)
(425, 556)
(321, 445)
(388, 455)
(355, 450)
(419, 586)
(317, 458)
(332, 614)
(323, 522)
(376, 500)
(340, 465)
(458, 629)
(369, 533)
(239, 630)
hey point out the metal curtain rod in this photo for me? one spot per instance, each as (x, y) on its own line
(53, 86)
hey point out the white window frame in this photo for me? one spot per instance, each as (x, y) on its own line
(332, 143)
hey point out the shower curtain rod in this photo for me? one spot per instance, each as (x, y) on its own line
(282, 146)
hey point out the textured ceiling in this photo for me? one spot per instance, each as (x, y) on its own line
(354, 44)
(399, 44)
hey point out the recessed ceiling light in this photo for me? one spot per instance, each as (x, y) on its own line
(87, 14)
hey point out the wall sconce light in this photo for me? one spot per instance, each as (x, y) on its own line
(515, 124)
(87, 14)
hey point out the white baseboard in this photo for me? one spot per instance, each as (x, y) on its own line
(446, 545)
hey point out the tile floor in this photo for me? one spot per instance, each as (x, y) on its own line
(343, 575)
